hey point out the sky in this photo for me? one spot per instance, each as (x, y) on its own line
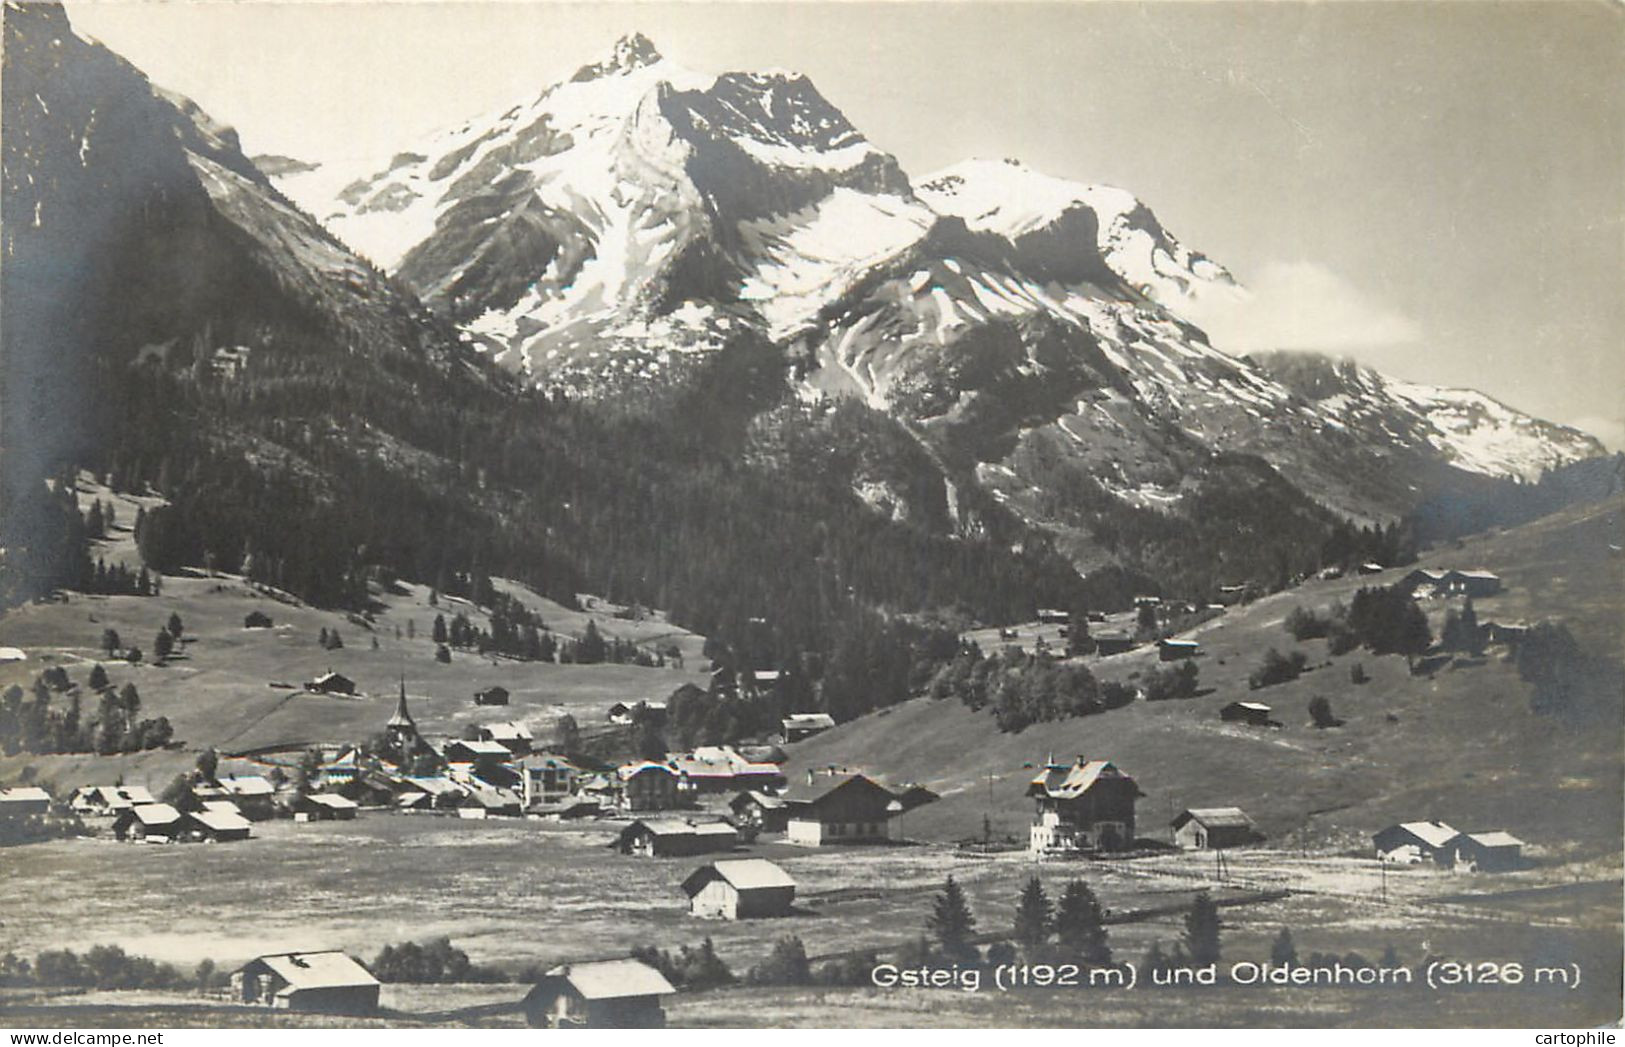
(1436, 189)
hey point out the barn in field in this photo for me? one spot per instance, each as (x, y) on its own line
(1255, 714)
(319, 982)
(1109, 642)
(797, 726)
(217, 823)
(331, 682)
(670, 838)
(608, 994)
(254, 796)
(512, 736)
(1472, 583)
(24, 801)
(491, 696)
(1495, 851)
(739, 889)
(1174, 650)
(1084, 806)
(846, 809)
(157, 822)
(323, 807)
(1411, 843)
(1213, 828)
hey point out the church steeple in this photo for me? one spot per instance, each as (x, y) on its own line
(402, 720)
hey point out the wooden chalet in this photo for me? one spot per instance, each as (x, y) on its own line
(1112, 641)
(1174, 650)
(152, 822)
(607, 994)
(254, 796)
(511, 735)
(797, 726)
(489, 803)
(218, 822)
(108, 800)
(1213, 828)
(317, 982)
(763, 812)
(1256, 714)
(739, 889)
(673, 838)
(1472, 583)
(1084, 806)
(719, 769)
(1412, 843)
(647, 786)
(24, 801)
(491, 696)
(331, 682)
(851, 808)
(1494, 851)
(324, 807)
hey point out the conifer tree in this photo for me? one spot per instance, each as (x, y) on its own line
(1283, 951)
(1080, 924)
(1202, 926)
(952, 923)
(1033, 914)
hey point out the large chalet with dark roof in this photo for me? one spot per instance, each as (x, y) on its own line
(835, 809)
(1084, 806)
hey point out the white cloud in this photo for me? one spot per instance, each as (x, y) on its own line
(1301, 305)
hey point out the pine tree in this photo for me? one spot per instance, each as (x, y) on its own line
(952, 923)
(1080, 925)
(129, 699)
(110, 641)
(175, 626)
(439, 634)
(1283, 952)
(1202, 926)
(1033, 914)
(162, 645)
(98, 677)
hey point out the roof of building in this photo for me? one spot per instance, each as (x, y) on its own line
(317, 970)
(715, 829)
(494, 799)
(1478, 573)
(118, 795)
(333, 800)
(745, 874)
(332, 677)
(632, 770)
(480, 748)
(1178, 643)
(1110, 634)
(1215, 817)
(434, 786)
(1494, 838)
(24, 794)
(613, 979)
(157, 814)
(12, 654)
(1067, 782)
(248, 785)
(772, 803)
(400, 717)
(1257, 707)
(809, 720)
(222, 821)
(1434, 834)
(800, 793)
(507, 730)
(222, 807)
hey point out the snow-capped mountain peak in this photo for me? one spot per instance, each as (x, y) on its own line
(633, 51)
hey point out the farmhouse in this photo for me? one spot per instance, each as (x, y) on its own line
(667, 838)
(608, 994)
(916, 795)
(1505, 635)
(1485, 852)
(719, 768)
(1411, 843)
(331, 682)
(1050, 616)
(489, 803)
(797, 726)
(1112, 641)
(479, 755)
(1213, 828)
(431, 792)
(622, 713)
(23, 801)
(254, 796)
(647, 786)
(491, 696)
(1472, 583)
(1088, 805)
(1255, 713)
(850, 809)
(512, 736)
(1148, 601)
(157, 822)
(322, 982)
(1424, 581)
(369, 789)
(323, 807)
(1173, 650)
(760, 811)
(217, 823)
(108, 799)
(13, 654)
(739, 889)
(547, 777)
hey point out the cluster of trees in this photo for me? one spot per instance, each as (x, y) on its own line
(1023, 689)
(1277, 668)
(329, 639)
(102, 967)
(1347, 546)
(430, 963)
(119, 580)
(30, 724)
(692, 967)
(1284, 953)
(1383, 619)
(1179, 680)
(1565, 680)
